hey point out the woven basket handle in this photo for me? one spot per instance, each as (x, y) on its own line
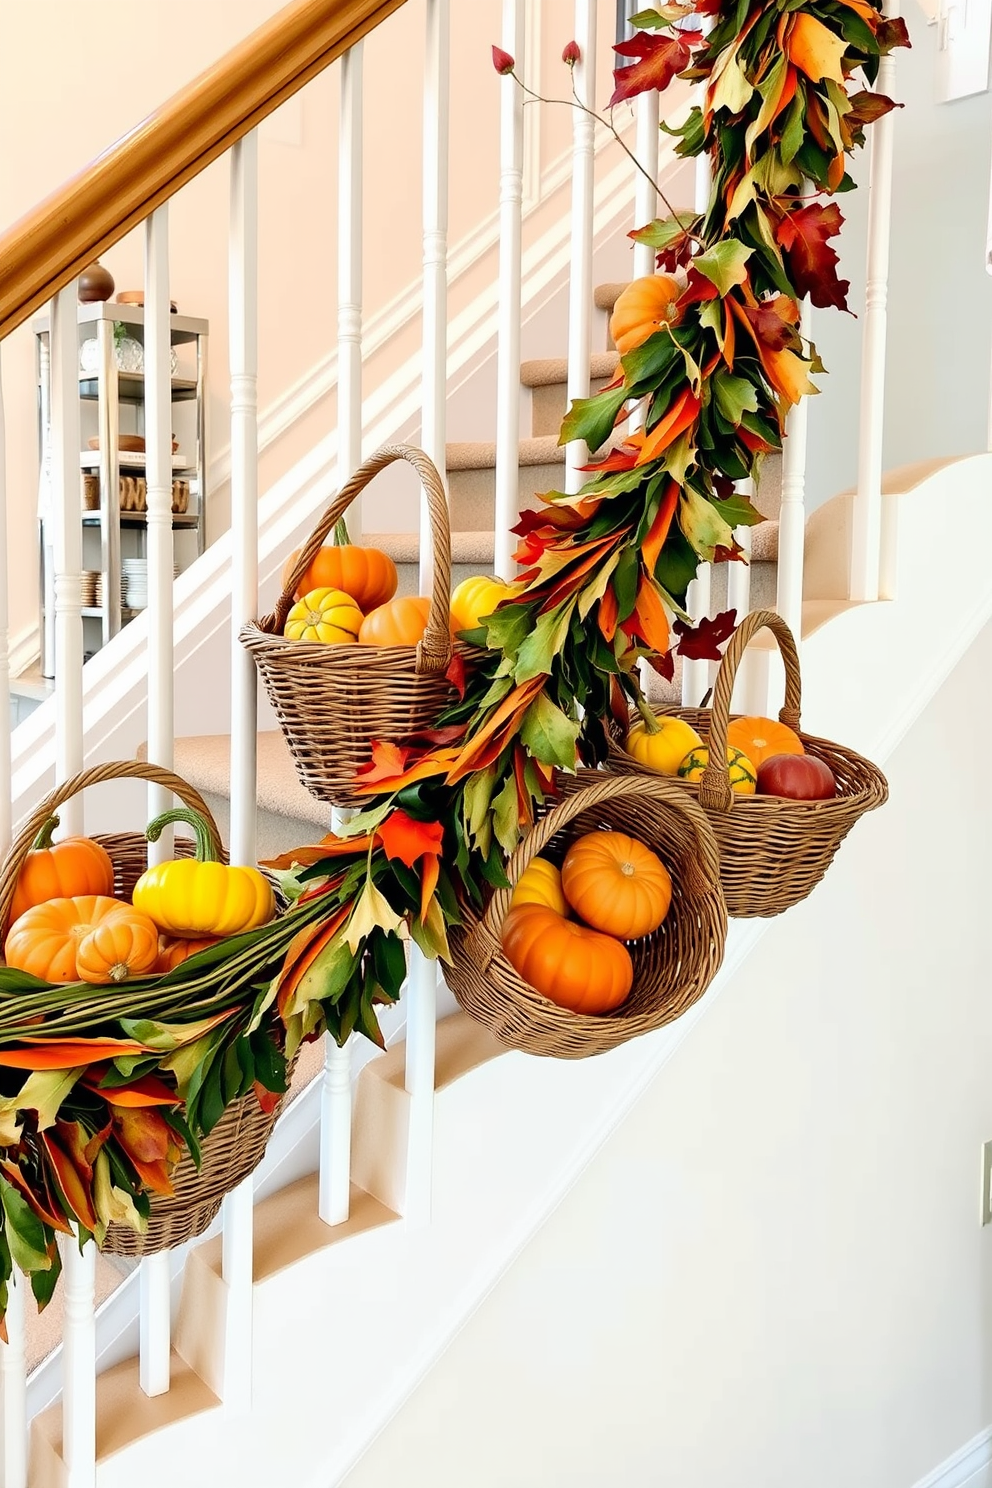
(715, 792)
(116, 770)
(434, 650)
(703, 870)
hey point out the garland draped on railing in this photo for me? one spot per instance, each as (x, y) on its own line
(88, 1125)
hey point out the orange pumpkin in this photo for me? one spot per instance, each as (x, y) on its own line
(367, 574)
(173, 952)
(643, 308)
(76, 865)
(401, 622)
(566, 962)
(616, 884)
(86, 938)
(760, 738)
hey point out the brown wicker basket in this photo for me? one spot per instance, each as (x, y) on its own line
(332, 701)
(773, 852)
(672, 968)
(237, 1143)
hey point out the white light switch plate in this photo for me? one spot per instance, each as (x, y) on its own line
(986, 1183)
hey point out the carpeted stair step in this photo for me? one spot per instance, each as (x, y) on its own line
(547, 378)
(472, 478)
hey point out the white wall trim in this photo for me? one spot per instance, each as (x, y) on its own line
(959, 1470)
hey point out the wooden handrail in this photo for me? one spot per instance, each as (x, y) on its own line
(45, 250)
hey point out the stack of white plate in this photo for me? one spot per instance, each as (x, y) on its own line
(134, 582)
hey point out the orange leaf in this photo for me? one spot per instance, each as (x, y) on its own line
(815, 49)
(72, 1180)
(608, 613)
(267, 1099)
(655, 540)
(290, 978)
(408, 840)
(729, 337)
(508, 713)
(47, 1213)
(328, 847)
(39, 1054)
(148, 1091)
(682, 413)
(649, 617)
(143, 1134)
(428, 883)
(436, 763)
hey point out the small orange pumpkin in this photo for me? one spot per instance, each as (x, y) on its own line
(86, 938)
(173, 952)
(366, 574)
(760, 738)
(566, 962)
(540, 883)
(643, 308)
(616, 884)
(76, 865)
(400, 622)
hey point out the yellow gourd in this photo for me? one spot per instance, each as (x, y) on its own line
(665, 750)
(474, 598)
(326, 615)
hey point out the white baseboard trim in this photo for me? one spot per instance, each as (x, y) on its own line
(964, 1466)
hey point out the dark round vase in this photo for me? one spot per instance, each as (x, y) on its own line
(95, 283)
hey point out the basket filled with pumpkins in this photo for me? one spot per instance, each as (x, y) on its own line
(344, 661)
(780, 801)
(613, 922)
(116, 975)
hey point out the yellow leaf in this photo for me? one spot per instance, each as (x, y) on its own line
(815, 49)
(372, 909)
(42, 1092)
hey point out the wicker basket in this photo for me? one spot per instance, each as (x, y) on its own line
(672, 968)
(773, 852)
(235, 1146)
(332, 701)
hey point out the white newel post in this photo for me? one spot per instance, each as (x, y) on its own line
(648, 115)
(79, 1365)
(334, 1193)
(155, 1280)
(13, 1364)
(867, 517)
(421, 1029)
(350, 279)
(792, 516)
(67, 545)
(580, 307)
(238, 1209)
(511, 172)
(435, 375)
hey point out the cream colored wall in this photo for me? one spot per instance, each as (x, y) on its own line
(773, 1273)
(75, 77)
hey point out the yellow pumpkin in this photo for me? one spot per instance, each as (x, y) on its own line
(326, 615)
(665, 750)
(643, 308)
(743, 775)
(475, 598)
(540, 883)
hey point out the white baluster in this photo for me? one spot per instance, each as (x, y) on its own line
(421, 1030)
(350, 279)
(334, 1201)
(792, 516)
(13, 1388)
(79, 1365)
(647, 113)
(238, 1209)
(867, 517)
(435, 375)
(739, 599)
(67, 547)
(155, 1319)
(511, 168)
(5, 802)
(580, 276)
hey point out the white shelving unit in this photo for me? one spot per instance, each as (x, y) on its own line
(111, 405)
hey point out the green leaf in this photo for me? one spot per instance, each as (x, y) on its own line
(597, 588)
(431, 935)
(508, 627)
(389, 963)
(625, 583)
(43, 1283)
(792, 130)
(724, 264)
(43, 1092)
(734, 396)
(702, 524)
(549, 734)
(25, 1231)
(326, 977)
(592, 419)
(506, 824)
(665, 231)
(738, 511)
(544, 642)
(644, 364)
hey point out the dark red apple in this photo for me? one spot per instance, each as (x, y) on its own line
(798, 777)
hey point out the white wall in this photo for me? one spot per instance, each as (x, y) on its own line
(773, 1274)
(940, 298)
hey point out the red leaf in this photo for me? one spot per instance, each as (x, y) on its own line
(663, 663)
(891, 32)
(867, 107)
(702, 642)
(774, 322)
(408, 840)
(621, 458)
(456, 673)
(267, 1099)
(660, 58)
(502, 61)
(803, 234)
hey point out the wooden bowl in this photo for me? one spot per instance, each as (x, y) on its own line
(137, 297)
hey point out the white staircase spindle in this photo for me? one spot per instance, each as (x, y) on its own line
(79, 1365)
(238, 1209)
(511, 161)
(350, 278)
(435, 376)
(334, 1200)
(792, 516)
(67, 549)
(5, 801)
(648, 115)
(13, 1389)
(867, 517)
(421, 1028)
(583, 189)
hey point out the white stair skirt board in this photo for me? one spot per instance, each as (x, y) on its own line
(970, 1467)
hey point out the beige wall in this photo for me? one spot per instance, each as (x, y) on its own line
(773, 1273)
(74, 77)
